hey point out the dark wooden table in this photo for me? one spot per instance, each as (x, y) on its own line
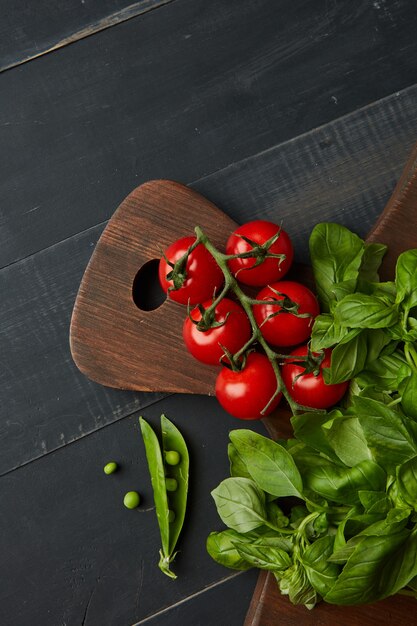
(291, 110)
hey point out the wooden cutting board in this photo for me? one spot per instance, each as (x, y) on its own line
(113, 341)
(120, 338)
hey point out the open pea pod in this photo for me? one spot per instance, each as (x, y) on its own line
(172, 439)
(169, 530)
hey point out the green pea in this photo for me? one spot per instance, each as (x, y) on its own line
(171, 484)
(172, 457)
(131, 500)
(110, 468)
(171, 516)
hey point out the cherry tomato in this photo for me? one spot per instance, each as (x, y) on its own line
(244, 394)
(270, 270)
(286, 329)
(205, 345)
(310, 390)
(202, 274)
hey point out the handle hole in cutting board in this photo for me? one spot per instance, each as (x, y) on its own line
(147, 292)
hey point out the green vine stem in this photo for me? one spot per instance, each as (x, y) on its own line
(231, 284)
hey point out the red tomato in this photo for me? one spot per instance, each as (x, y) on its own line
(205, 345)
(286, 329)
(270, 270)
(246, 393)
(310, 390)
(202, 274)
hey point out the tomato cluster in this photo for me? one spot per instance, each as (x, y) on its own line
(219, 331)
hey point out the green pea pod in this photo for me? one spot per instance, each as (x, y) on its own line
(172, 439)
(169, 531)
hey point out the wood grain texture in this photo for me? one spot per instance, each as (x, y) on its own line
(31, 29)
(344, 171)
(47, 402)
(397, 224)
(268, 608)
(179, 93)
(73, 554)
(115, 343)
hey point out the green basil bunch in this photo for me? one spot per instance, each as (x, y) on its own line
(332, 512)
(371, 325)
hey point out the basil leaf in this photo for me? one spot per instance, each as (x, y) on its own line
(406, 278)
(376, 340)
(407, 481)
(346, 287)
(221, 547)
(237, 465)
(296, 585)
(383, 372)
(240, 504)
(268, 558)
(269, 539)
(344, 551)
(386, 290)
(326, 333)
(347, 360)
(340, 484)
(358, 582)
(363, 311)
(374, 501)
(348, 440)
(321, 573)
(408, 390)
(371, 260)
(308, 428)
(336, 256)
(401, 568)
(386, 431)
(374, 392)
(412, 584)
(270, 465)
(403, 330)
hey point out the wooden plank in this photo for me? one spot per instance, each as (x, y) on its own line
(74, 555)
(29, 30)
(46, 402)
(344, 171)
(224, 602)
(179, 93)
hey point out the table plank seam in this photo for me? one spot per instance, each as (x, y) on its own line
(114, 19)
(188, 598)
(238, 163)
(43, 455)
(317, 129)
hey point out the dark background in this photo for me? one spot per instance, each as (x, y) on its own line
(292, 110)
